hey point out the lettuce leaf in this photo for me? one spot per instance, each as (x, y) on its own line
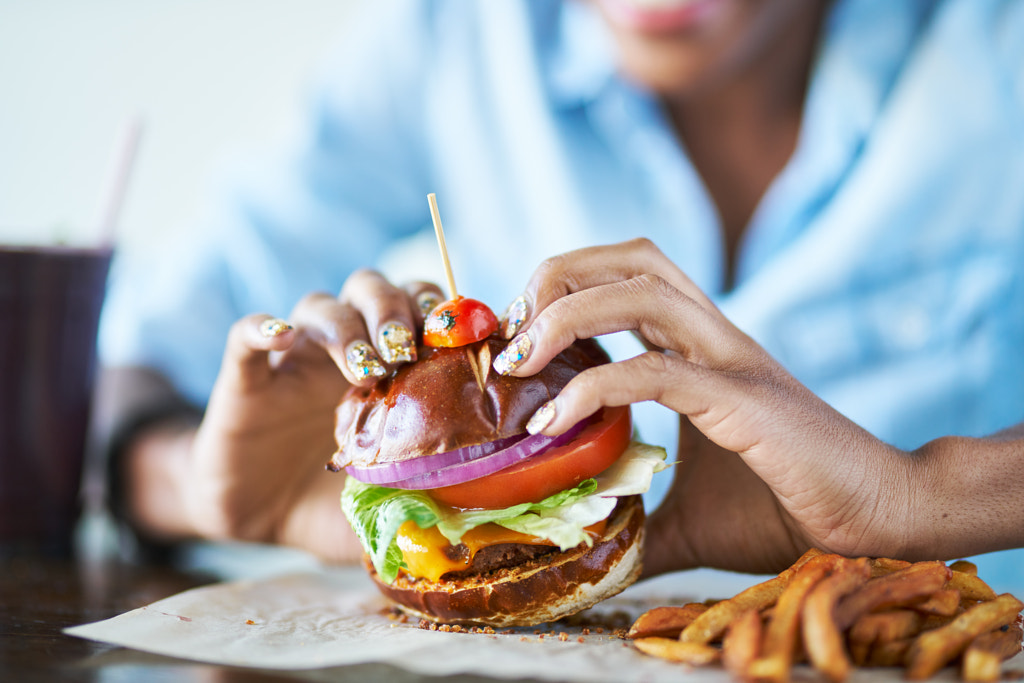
(376, 512)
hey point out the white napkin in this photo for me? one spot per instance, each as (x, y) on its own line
(330, 618)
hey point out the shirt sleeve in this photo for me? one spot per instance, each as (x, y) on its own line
(296, 220)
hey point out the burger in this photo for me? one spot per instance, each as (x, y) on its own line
(464, 517)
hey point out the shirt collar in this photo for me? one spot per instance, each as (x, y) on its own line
(864, 48)
(865, 43)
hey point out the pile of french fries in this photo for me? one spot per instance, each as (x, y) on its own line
(835, 613)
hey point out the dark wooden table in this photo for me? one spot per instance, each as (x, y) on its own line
(40, 596)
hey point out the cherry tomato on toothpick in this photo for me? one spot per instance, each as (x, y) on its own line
(458, 322)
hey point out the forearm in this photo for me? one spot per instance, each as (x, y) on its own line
(968, 499)
(156, 476)
(143, 427)
(159, 479)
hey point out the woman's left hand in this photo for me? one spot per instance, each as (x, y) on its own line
(767, 469)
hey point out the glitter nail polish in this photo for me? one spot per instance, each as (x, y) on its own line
(514, 355)
(427, 301)
(363, 361)
(274, 327)
(515, 316)
(397, 343)
(542, 418)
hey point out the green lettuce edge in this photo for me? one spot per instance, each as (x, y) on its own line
(376, 512)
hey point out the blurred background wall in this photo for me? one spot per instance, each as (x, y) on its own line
(208, 78)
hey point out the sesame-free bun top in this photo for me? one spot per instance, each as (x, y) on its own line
(442, 402)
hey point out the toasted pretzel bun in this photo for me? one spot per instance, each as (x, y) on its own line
(542, 590)
(440, 404)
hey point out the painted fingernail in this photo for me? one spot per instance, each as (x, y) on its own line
(427, 301)
(515, 316)
(542, 418)
(514, 355)
(363, 361)
(274, 327)
(397, 343)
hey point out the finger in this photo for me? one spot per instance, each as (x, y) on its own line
(423, 298)
(250, 341)
(583, 269)
(387, 313)
(338, 328)
(647, 377)
(646, 304)
(705, 395)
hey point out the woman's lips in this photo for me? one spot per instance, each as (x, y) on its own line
(658, 16)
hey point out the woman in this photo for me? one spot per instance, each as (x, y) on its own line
(810, 165)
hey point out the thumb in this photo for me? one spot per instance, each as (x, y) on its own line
(246, 362)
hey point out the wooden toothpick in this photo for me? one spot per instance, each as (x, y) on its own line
(435, 215)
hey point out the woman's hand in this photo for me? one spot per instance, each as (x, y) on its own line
(766, 468)
(255, 468)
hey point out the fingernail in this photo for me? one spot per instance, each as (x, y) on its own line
(274, 327)
(514, 355)
(427, 301)
(396, 343)
(515, 316)
(363, 361)
(542, 418)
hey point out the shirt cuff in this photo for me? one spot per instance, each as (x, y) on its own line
(168, 413)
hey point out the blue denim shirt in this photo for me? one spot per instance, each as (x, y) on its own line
(881, 267)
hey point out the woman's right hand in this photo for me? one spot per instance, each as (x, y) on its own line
(766, 468)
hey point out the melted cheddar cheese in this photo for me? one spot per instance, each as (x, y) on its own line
(424, 549)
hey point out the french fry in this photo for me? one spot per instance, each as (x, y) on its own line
(934, 621)
(970, 587)
(873, 630)
(822, 640)
(981, 666)
(742, 643)
(829, 610)
(934, 649)
(887, 626)
(964, 567)
(782, 633)
(712, 624)
(665, 622)
(945, 603)
(1004, 642)
(983, 657)
(695, 654)
(883, 566)
(901, 587)
(889, 653)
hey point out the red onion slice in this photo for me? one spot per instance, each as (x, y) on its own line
(390, 472)
(459, 471)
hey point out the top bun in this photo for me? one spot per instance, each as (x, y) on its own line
(437, 403)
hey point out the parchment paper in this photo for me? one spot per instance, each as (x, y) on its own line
(330, 618)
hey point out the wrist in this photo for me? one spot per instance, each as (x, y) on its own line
(857, 497)
(895, 508)
(316, 524)
(968, 492)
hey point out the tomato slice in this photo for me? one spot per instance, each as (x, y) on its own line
(458, 322)
(595, 449)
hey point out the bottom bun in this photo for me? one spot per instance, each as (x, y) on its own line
(546, 589)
